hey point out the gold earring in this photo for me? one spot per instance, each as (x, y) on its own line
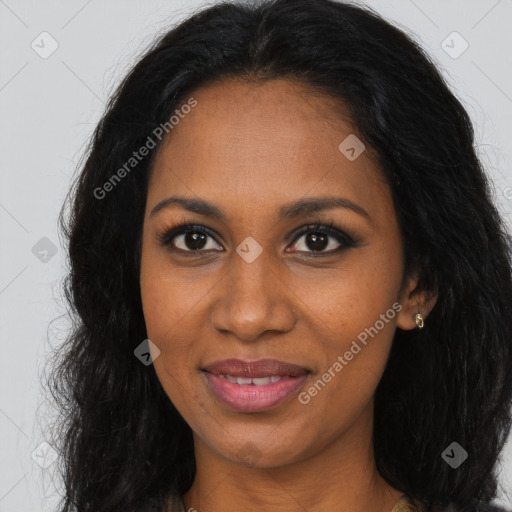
(419, 320)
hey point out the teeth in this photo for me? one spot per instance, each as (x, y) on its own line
(261, 381)
(257, 381)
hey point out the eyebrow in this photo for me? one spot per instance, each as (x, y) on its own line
(287, 211)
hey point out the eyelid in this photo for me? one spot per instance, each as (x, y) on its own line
(349, 236)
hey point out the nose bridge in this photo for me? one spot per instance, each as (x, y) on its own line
(254, 300)
(250, 286)
(251, 280)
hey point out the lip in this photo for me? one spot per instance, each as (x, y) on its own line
(258, 368)
(252, 397)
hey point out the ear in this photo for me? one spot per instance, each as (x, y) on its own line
(414, 301)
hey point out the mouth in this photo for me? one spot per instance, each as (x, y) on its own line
(253, 386)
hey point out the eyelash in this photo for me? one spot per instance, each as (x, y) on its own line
(344, 238)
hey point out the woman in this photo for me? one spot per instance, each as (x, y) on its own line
(292, 289)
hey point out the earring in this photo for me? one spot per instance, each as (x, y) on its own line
(419, 320)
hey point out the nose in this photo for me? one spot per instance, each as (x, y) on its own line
(253, 299)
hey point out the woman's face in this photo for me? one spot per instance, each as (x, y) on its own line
(268, 163)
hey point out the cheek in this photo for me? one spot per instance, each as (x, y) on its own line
(351, 299)
(171, 307)
(167, 299)
(357, 313)
(345, 386)
(169, 318)
(169, 328)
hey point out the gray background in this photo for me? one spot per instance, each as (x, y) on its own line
(49, 107)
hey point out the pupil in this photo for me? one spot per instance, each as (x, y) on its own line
(319, 240)
(195, 240)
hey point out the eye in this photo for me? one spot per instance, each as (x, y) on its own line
(189, 238)
(321, 239)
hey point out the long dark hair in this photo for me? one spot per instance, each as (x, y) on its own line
(121, 439)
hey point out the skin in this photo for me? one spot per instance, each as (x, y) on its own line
(249, 148)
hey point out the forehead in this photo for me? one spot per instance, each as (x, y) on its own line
(273, 140)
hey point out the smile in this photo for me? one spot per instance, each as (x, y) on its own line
(253, 386)
(257, 381)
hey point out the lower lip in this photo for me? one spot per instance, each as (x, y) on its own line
(252, 398)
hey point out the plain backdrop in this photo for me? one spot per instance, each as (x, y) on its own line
(59, 61)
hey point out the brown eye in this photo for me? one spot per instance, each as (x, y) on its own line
(318, 238)
(188, 239)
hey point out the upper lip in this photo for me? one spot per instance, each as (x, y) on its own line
(259, 368)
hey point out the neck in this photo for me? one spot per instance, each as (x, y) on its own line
(342, 476)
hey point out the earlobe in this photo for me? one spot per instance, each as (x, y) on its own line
(415, 306)
(414, 312)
